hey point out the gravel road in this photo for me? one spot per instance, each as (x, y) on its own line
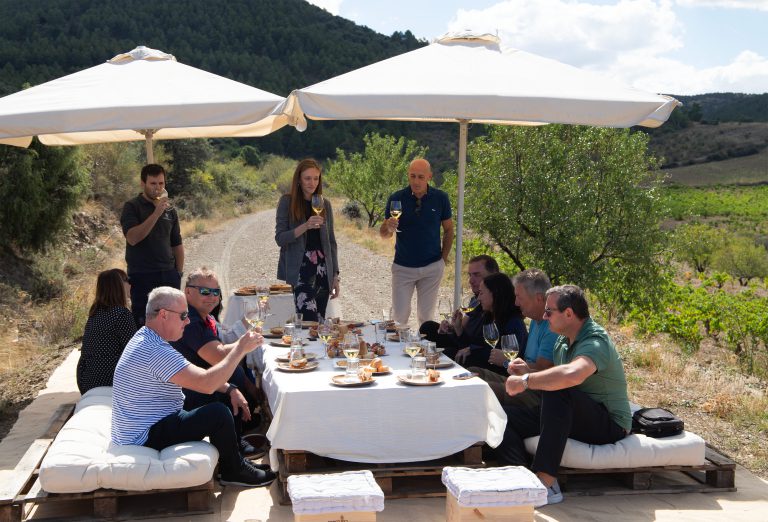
(243, 252)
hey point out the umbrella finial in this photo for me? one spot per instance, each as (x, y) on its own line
(468, 35)
(142, 53)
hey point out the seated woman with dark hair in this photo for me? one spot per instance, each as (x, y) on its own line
(109, 327)
(497, 297)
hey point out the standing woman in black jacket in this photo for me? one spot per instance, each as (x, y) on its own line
(308, 259)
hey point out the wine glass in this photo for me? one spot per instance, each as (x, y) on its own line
(324, 330)
(318, 205)
(396, 210)
(469, 303)
(351, 349)
(254, 315)
(491, 334)
(413, 347)
(445, 308)
(509, 346)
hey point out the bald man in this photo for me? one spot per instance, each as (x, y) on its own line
(420, 254)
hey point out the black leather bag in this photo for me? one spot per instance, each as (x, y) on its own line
(656, 423)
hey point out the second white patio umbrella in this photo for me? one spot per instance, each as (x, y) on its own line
(468, 78)
(139, 95)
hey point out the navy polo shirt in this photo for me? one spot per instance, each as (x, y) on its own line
(418, 242)
(196, 335)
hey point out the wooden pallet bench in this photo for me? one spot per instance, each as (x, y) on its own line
(718, 473)
(397, 480)
(22, 491)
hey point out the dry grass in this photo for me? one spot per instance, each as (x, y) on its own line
(728, 409)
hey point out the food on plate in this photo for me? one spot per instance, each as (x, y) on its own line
(287, 339)
(277, 330)
(365, 374)
(280, 287)
(377, 349)
(298, 363)
(313, 332)
(378, 366)
(433, 375)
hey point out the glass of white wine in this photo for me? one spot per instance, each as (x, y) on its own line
(396, 210)
(324, 330)
(445, 308)
(469, 303)
(351, 350)
(491, 334)
(509, 346)
(318, 205)
(254, 315)
(413, 348)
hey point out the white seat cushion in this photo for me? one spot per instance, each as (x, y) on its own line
(82, 457)
(331, 493)
(633, 451)
(494, 487)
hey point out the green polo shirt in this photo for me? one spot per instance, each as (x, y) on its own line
(607, 385)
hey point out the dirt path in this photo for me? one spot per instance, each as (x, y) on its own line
(244, 252)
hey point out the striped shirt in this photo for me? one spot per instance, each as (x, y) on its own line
(142, 393)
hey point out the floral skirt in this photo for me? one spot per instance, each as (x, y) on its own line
(311, 292)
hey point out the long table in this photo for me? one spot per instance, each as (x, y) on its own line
(384, 422)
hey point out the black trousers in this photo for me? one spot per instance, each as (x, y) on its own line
(448, 341)
(564, 414)
(143, 284)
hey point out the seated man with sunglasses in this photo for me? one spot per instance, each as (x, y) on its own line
(147, 399)
(202, 345)
(584, 396)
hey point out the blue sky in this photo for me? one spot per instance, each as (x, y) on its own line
(666, 46)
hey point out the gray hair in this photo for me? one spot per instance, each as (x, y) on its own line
(200, 273)
(534, 281)
(571, 296)
(160, 298)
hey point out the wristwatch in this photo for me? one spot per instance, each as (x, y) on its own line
(524, 380)
(230, 387)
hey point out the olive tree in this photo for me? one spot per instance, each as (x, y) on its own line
(368, 178)
(581, 203)
(697, 244)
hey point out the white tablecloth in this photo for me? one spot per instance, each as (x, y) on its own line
(384, 422)
(280, 306)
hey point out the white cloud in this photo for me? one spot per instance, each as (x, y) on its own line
(630, 40)
(760, 5)
(332, 6)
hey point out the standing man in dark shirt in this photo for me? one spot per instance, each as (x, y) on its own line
(153, 250)
(420, 255)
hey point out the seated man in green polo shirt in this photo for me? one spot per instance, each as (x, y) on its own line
(584, 395)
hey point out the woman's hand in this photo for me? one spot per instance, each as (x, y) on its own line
(335, 287)
(462, 355)
(314, 222)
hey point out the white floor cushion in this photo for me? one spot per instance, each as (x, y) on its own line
(633, 451)
(82, 457)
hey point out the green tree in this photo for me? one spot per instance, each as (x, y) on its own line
(742, 259)
(696, 244)
(40, 187)
(368, 178)
(187, 156)
(581, 203)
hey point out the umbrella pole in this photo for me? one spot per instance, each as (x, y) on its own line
(463, 125)
(148, 142)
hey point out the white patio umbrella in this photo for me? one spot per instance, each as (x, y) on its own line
(465, 77)
(139, 95)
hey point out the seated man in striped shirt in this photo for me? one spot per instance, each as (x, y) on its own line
(147, 401)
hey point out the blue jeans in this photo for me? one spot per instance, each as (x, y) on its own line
(564, 414)
(143, 284)
(212, 420)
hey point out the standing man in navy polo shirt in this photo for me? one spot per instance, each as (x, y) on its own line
(420, 255)
(153, 250)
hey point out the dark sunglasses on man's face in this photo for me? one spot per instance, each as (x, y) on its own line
(204, 290)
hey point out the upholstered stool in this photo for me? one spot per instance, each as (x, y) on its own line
(508, 493)
(352, 496)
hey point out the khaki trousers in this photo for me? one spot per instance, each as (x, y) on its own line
(426, 281)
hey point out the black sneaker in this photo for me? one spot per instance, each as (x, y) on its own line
(248, 476)
(250, 451)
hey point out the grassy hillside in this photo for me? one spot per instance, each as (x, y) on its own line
(746, 170)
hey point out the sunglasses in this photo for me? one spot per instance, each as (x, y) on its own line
(418, 206)
(204, 290)
(550, 311)
(182, 315)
